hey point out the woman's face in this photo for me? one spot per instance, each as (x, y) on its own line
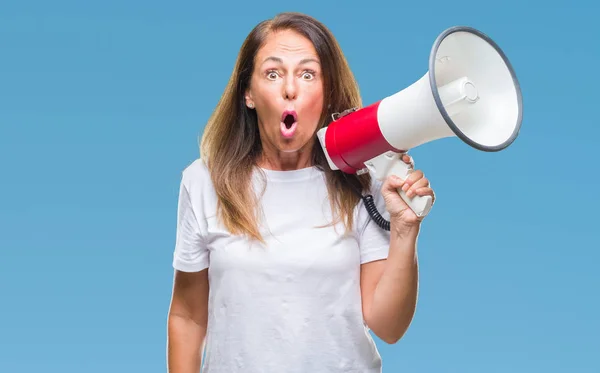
(286, 90)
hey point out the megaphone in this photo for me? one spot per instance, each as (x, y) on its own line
(470, 91)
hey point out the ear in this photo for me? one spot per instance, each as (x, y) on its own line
(248, 99)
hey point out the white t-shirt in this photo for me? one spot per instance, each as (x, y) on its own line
(294, 305)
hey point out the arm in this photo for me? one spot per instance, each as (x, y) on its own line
(389, 287)
(187, 319)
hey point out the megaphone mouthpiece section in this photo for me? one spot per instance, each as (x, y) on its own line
(457, 95)
(458, 90)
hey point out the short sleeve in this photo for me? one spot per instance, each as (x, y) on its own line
(191, 253)
(374, 241)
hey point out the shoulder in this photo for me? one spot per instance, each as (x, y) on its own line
(375, 185)
(196, 181)
(375, 189)
(195, 174)
(197, 169)
(197, 188)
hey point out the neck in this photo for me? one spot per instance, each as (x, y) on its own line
(286, 161)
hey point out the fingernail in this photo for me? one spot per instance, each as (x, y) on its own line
(405, 187)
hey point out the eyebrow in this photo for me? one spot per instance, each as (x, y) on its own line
(279, 60)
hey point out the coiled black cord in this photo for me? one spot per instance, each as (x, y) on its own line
(370, 207)
(374, 213)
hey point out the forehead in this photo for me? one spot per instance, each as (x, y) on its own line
(288, 45)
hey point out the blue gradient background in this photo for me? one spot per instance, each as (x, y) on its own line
(101, 106)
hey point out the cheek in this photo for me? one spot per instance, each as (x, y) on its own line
(265, 96)
(315, 102)
(268, 101)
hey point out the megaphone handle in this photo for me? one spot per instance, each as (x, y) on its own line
(421, 205)
(391, 163)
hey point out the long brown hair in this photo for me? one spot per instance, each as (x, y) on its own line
(231, 143)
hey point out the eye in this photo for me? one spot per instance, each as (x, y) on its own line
(272, 75)
(308, 75)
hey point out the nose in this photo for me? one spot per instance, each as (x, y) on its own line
(290, 91)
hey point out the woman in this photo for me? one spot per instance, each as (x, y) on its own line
(278, 267)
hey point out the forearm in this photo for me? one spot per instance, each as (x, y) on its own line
(395, 297)
(184, 345)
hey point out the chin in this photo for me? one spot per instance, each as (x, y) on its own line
(290, 149)
(293, 146)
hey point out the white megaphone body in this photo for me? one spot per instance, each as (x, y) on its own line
(470, 91)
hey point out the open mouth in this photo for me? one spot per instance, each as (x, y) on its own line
(289, 118)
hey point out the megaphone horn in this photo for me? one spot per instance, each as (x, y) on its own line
(470, 91)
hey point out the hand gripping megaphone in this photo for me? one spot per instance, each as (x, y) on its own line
(470, 91)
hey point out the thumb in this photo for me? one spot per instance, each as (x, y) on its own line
(391, 185)
(394, 182)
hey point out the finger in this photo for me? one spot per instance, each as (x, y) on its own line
(408, 160)
(426, 191)
(393, 183)
(421, 183)
(411, 179)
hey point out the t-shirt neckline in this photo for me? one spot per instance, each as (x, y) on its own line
(291, 175)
